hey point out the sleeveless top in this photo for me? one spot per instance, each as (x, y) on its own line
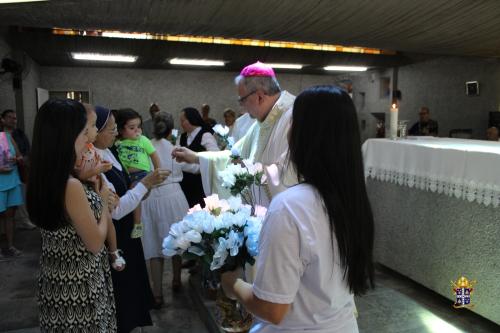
(75, 292)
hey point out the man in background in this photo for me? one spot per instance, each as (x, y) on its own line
(425, 126)
(205, 110)
(147, 126)
(229, 119)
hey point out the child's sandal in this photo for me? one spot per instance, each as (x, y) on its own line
(118, 262)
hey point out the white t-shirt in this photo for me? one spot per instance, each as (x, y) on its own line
(296, 266)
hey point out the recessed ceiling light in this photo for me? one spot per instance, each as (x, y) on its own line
(103, 57)
(285, 66)
(345, 68)
(196, 62)
(16, 1)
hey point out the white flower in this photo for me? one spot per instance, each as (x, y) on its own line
(234, 203)
(240, 218)
(220, 254)
(228, 179)
(252, 244)
(234, 242)
(209, 226)
(235, 152)
(246, 209)
(182, 243)
(193, 236)
(221, 130)
(195, 222)
(219, 223)
(169, 242)
(230, 173)
(176, 230)
(254, 224)
(224, 205)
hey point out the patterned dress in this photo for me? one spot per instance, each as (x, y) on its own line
(75, 288)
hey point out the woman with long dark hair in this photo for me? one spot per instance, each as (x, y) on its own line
(316, 244)
(198, 137)
(75, 289)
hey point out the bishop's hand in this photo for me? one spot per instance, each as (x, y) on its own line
(183, 154)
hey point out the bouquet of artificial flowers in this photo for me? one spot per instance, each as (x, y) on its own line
(222, 136)
(244, 179)
(224, 234)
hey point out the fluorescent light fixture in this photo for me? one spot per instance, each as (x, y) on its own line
(345, 68)
(221, 40)
(196, 62)
(103, 57)
(285, 66)
(18, 1)
(117, 34)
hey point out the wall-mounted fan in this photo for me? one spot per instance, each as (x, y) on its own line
(14, 71)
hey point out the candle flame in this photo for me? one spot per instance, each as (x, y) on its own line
(393, 106)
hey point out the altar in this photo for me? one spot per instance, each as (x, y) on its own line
(436, 203)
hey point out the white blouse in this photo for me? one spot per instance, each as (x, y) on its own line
(207, 140)
(132, 198)
(296, 265)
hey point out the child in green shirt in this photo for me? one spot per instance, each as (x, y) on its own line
(135, 151)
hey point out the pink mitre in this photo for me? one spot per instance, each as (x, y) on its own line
(257, 69)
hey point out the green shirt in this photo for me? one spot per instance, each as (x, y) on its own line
(135, 153)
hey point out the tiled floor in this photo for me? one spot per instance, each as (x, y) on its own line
(18, 307)
(396, 305)
(400, 305)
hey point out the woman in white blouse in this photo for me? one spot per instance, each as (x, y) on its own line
(133, 296)
(316, 243)
(165, 205)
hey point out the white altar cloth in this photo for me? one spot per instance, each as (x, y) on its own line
(465, 169)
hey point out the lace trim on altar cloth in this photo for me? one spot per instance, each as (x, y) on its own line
(485, 194)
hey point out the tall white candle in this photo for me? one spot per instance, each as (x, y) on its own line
(394, 122)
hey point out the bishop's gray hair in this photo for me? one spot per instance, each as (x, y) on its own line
(268, 84)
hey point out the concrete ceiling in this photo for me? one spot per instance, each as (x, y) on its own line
(428, 27)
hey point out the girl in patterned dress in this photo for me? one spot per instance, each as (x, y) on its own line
(75, 292)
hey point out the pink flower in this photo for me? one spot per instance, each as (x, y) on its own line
(260, 211)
